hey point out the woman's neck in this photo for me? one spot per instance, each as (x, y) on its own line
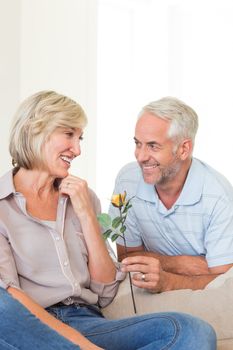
(39, 191)
(35, 181)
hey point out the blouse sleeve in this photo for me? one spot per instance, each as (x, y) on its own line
(8, 271)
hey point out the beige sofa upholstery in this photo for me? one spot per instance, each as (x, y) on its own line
(213, 304)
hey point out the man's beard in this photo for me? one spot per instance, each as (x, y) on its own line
(169, 172)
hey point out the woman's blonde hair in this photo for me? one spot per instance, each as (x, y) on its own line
(35, 120)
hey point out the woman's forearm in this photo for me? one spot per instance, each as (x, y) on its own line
(105, 270)
(100, 264)
(45, 317)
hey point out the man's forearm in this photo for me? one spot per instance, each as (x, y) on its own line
(179, 264)
(170, 281)
(148, 273)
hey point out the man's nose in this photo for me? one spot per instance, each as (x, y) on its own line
(142, 154)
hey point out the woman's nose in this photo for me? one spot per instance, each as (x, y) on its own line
(76, 149)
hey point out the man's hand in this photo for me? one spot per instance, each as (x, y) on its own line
(180, 264)
(148, 273)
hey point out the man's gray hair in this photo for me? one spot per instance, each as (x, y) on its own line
(184, 120)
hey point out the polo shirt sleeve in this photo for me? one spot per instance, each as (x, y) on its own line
(8, 272)
(219, 234)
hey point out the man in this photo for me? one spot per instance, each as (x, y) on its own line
(180, 227)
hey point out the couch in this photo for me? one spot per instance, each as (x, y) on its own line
(213, 304)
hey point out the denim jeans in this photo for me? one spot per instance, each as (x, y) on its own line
(160, 331)
(20, 330)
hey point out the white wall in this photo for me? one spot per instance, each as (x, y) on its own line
(50, 44)
(148, 49)
(9, 72)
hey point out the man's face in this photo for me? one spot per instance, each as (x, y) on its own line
(155, 152)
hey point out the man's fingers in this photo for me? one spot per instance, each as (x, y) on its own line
(140, 259)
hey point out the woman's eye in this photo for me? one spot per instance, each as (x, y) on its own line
(70, 134)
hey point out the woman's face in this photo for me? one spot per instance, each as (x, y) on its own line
(60, 149)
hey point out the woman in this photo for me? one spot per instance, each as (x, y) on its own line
(53, 261)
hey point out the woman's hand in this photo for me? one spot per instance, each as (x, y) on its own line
(77, 190)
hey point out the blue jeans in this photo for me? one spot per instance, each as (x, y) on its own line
(159, 331)
(20, 330)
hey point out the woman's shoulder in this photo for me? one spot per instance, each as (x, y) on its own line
(6, 185)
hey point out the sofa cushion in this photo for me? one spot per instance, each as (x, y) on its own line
(213, 304)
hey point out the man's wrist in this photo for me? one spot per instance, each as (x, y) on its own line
(165, 283)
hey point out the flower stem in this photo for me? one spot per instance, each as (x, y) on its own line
(132, 293)
(130, 280)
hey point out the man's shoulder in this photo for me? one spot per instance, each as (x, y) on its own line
(215, 181)
(129, 176)
(130, 171)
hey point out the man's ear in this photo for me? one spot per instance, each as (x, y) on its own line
(185, 149)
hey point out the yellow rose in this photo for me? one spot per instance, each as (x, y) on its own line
(118, 200)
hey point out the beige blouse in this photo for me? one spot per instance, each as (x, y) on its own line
(49, 264)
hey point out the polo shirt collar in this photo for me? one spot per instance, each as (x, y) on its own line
(146, 191)
(190, 194)
(6, 185)
(193, 186)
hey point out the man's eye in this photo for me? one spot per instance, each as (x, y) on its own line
(153, 147)
(81, 138)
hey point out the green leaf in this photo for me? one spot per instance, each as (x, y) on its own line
(124, 210)
(116, 222)
(127, 206)
(114, 237)
(107, 234)
(122, 229)
(104, 219)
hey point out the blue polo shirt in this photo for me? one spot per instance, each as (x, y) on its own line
(199, 223)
